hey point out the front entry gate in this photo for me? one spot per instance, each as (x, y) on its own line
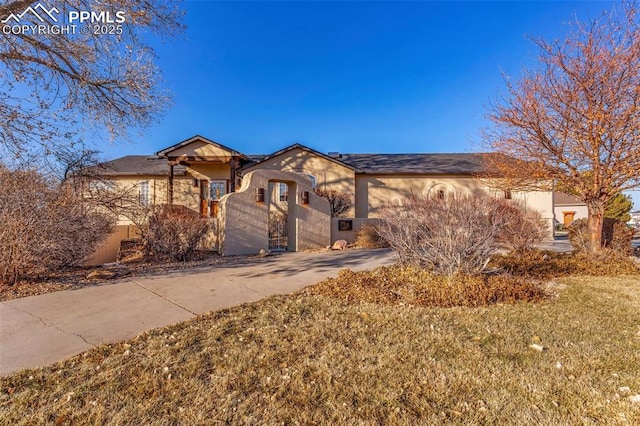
(278, 238)
(278, 216)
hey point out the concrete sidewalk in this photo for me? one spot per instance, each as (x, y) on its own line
(40, 330)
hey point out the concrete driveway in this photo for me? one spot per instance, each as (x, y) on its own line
(40, 330)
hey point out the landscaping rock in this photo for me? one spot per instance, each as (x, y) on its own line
(130, 249)
(101, 274)
(264, 253)
(108, 273)
(535, 347)
(635, 399)
(340, 245)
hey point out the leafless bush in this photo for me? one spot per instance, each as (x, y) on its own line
(173, 232)
(339, 202)
(457, 234)
(522, 231)
(44, 226)
(616, 235)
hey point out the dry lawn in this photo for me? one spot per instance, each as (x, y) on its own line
(304, 359)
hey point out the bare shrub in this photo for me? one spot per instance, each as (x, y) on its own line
(616, 235)
(578, 235)
(173, 232)
(522, 231)
(45, 227)
(339, 202)
(456, 234)
(369, 237)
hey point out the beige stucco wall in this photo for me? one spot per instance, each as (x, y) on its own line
(380, 189)
(214, 171)
(329, 175)
(244, 222)
(349, 236)
(183, 191)
(581, 212)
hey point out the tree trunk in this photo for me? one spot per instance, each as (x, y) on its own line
(594, 224)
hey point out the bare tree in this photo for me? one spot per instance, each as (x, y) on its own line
(339, 202)
(576, 119)
(97, 75)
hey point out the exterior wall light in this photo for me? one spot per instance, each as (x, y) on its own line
(305, 197)
(259, 195)
(195, 182)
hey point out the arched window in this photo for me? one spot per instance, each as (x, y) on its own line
(439, 191)
(311, 177)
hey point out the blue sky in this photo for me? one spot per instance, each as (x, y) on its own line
(346, 76)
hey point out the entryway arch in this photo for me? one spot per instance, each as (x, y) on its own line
(244, 214)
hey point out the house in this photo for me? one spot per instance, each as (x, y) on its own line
(199, 172)
(567, 208)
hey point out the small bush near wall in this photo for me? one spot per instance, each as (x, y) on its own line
(454, 234)
(616, 235)
(173, 232)
(368, 237)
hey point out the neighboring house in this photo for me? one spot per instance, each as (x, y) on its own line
(198, 172)
(567, 208)
(635, 219)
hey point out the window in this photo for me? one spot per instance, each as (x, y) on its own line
(101, 185)
(218, 188)
(507, 194)
(312, 178)
(144, 193)
(283, 191)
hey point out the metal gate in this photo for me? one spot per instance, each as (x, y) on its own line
(278, 238)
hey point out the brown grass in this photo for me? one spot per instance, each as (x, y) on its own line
(311, 360)
(397, 285)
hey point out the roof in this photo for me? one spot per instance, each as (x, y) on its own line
(564, 199)
(407, 164)
(138, 165)
(441, 164)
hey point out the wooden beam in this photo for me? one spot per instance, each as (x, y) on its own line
(233, 164)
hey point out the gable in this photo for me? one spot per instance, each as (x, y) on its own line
(200, 148)
(300, 160)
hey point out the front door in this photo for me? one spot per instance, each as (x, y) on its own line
(210, 193)
(568, 218)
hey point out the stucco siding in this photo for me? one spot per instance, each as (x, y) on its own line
(213, 171)
(374, 191)
(581, 212)
(329, 175)
(244, 224)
